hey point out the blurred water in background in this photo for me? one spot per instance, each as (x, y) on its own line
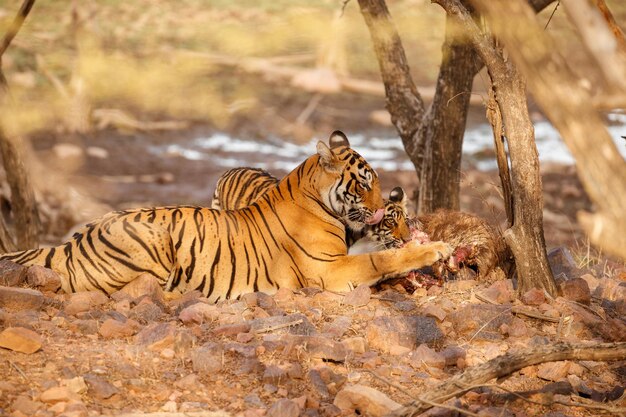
(385, 153)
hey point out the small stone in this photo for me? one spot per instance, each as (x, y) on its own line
(424, 356)
(274, 375)
(146, 311)
(533, 297)
(20, 339)
(84, 301)
(365, 401)
(553, 371)
(207, 359)
(56, 394)
(297, 324)
(355, 344)
(483, 322)
(189, 382)
(407, 331)
(398, 350)
(11, 274)
(232, 329)
(259, 299)
(199, 313)
(576, 290)
(17, 299)
(145, 285)
(338, 327)
(157, 336)
(592, 281)
(517, 328)
(433, 310)
(562, 264)
(99, 387)
(97, 152)
(360, 296)
(76, 384)
(318, 347)
(25, 405)
(43, 279)
(168, 353)
(611, 289)
(500, 292)
(283, 408)
(452, 354)
(113, 329)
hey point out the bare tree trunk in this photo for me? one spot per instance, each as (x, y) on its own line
(442, 127)
(22, 195)
(525, 236)
(569, 107)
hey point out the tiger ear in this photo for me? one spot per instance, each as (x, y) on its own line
(337, 139)
(397, 195)
(327, 157)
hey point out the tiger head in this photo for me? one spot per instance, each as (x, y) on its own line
(395, 229)
(348, 185)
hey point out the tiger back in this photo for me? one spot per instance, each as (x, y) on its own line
(293, 236)
(240, 187)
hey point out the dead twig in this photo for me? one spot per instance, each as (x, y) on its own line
(279, 326)
(535, 315)
(415, 397)
(19, 370)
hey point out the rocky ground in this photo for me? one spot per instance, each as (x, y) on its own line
(306, 352)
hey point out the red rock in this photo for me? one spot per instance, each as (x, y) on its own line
(259, 299)
(480, 321)
(452, 354)
(407, 331)
(232, 329)
(592, 281)
(283, 408)
(433, 310)
(275, 375)
(17, 299)
(207, 359)
(20, 339)
(355, 344)
(56, 394)
(338, 327)
(145, 285)
(146, 311)
(114, 329)
(157, 336)
(360, 296)
(500, 292)
(424, 356)
(11, 274)
(318, 347)
(100, 387)
(533, 297)
(43, 279)
(517, 328)
(365, 401)
(25, 405)
(562, 264)
(553, 371)
(84, 301)
(199, 313)
(576, 290)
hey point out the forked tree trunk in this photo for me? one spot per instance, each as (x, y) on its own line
(525, 236)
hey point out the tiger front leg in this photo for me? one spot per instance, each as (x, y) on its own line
(370, 268)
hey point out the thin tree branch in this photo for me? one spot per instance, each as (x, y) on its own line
(508, 363)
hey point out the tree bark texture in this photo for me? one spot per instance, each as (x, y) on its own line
(432, 138)
(525, 236)
(569, 108)
(508, 363)
(22, 195)
(443, 125)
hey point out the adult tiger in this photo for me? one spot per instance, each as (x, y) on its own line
(241, 187)
(292, 237)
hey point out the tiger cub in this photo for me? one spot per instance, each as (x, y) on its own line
(292, 236)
